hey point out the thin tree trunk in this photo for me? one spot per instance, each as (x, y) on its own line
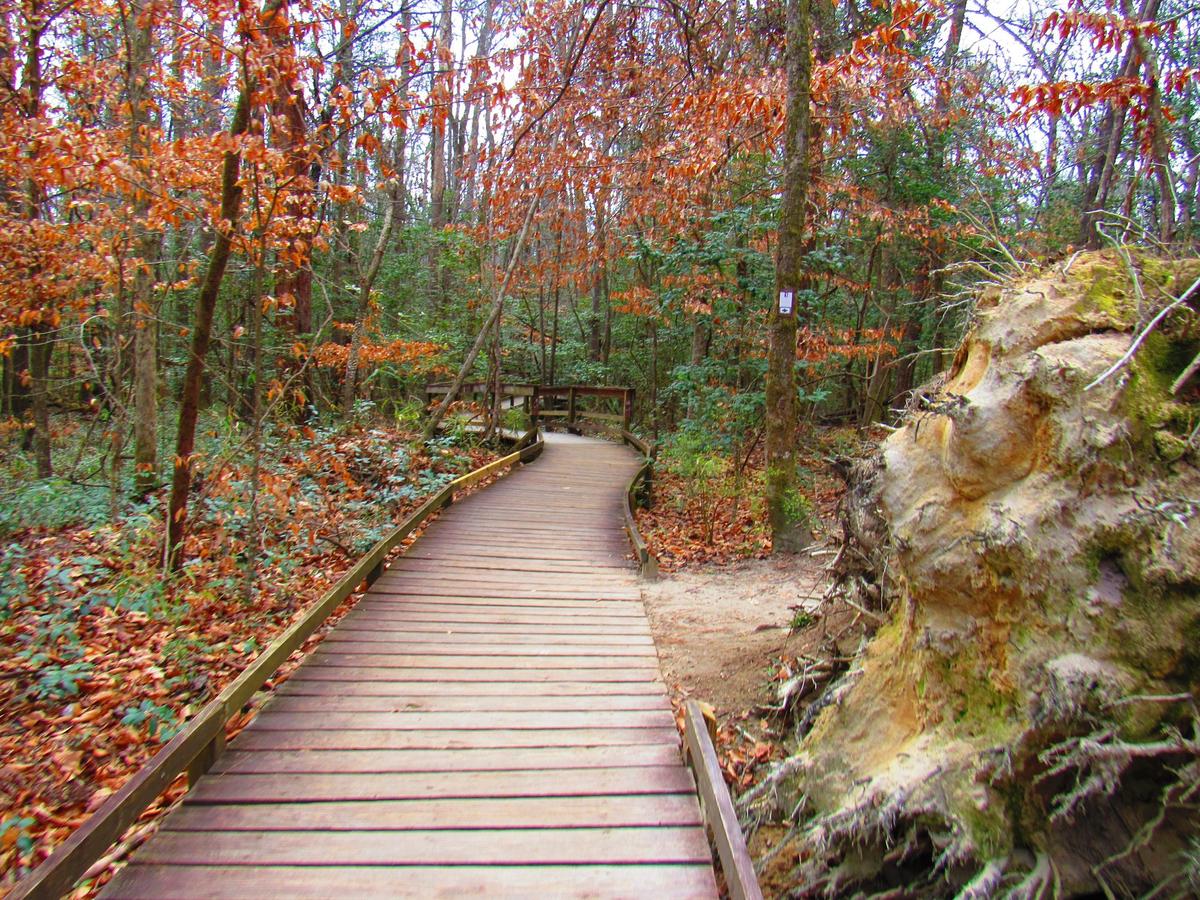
(41, 348)
(440, 101)
(393, 215)
(654, 408)
(206, 302)
(542, 332)
(250, 554)
(40, 335)
(493, 317)
(554, 314)
(293, 274)
(483, 50)
(1160, 149)
(594, 318)
(289, 135)
(1097, 191)
(366, 282)
(599, 298)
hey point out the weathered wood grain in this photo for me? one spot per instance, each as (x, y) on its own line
(662, 882)
(480, 812)
(311, 788)
(339, 699)
(444, 847)
(484, 759)
(490, 720)
(254, 739)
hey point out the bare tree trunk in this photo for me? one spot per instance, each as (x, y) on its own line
(366, 282)
(440, 101)
(41, 348)
(1104, 167)
(16, 386)
(393, 215)
(250, 554)
(139, 37)
(483, 50)
(1160, 149)
(495, 408)
(289, 133)
(41, 341)
(595, 319)
(789, 526)
(554, 312)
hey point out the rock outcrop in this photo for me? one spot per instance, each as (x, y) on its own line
(1029, 712)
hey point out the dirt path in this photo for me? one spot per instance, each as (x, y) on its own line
(718, 628)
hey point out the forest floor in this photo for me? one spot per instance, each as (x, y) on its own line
(722, 630)
(733, 624)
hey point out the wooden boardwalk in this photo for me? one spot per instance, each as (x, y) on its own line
(488, 720)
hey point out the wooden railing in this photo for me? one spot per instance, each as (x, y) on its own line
(575, 407)
(639, 493)
(196, 747)
(719, 814)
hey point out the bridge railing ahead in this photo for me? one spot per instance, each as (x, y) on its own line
(576, 407)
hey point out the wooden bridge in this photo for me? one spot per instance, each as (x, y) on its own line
(576, 407)
(488, 719)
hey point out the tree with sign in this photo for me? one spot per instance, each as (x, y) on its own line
(785, 508)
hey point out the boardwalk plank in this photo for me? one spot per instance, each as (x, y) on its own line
(536, 613)
(385, 601)
(423, 692)
(341, 701)
(431, 740)
(537, 846)
(477, 648)
(272, 720)
(318, 670)
(469, 639)
(526, 662)
(224, 788)
(486, 812)
(670, 882)
(248, 762)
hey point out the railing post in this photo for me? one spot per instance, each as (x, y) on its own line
(648, 482)
(570, 407)
(535, 407)
(627, 409)
(205, 758)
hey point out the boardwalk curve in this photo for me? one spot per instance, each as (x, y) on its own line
(490, 719)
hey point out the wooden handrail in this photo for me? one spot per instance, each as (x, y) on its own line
(198, 744)
(534, 394)
(636, 496)
(719, 814)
